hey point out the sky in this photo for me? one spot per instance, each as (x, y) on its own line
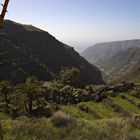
(80, 23)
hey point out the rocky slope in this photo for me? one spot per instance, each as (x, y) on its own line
(26, 50)
(126, 62)
(117, 59)
(101, 52)
(133, 75)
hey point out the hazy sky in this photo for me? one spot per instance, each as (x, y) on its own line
(80, 23)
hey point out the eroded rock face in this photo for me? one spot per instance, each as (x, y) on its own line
(118, 59)
(101, 52)
(26, 50)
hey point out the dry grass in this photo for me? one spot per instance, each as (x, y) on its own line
(60, 118)
(1, 132)
(44, 129)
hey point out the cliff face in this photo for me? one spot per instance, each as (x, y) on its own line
(123, 63)
(26, 50)
(117, 60)
(101, 52)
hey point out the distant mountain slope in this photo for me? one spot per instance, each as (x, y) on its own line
(133, 75)
(104, 51)
(116, 59)
(26, 50)
(126, 62)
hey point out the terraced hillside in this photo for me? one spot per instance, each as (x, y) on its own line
(115, 117)
(121, 105)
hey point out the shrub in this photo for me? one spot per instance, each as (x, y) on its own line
(1, 132)
(66, 89)
(111, 93)
(70, 76)
(4, 107)
(32, 91)
(5, 89)
(83, 107)
(55, 85)
(135, 121)
(122, 96)
(138, 105)
(98, 97)
(60, 119)
(135, 93)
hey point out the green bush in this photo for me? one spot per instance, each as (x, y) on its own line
(98, 97)
(135, 121)
(84, 108)
(4, 107)
(135, 93)
(55, 85)
(6, 89)
(138, 105)
(70, 76)
(122, 96)
(66, 89)
(111, 93)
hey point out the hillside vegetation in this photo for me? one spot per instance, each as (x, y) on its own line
(54, 110)
(49, 92)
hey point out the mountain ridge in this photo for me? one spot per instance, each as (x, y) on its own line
(41, 47)
(99, 52)
(116, 59)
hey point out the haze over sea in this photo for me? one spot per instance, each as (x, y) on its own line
(80, 23)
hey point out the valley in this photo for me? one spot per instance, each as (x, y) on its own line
(117, 60)
(48, 91)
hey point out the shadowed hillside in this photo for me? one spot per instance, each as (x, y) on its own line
(27, 50)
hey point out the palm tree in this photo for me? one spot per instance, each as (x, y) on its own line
(31, 90)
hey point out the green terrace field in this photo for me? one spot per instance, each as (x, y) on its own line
(125, 101)
(44, 129)
(97, 108)
(126, 105)
(62, 112)
(91, 121)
